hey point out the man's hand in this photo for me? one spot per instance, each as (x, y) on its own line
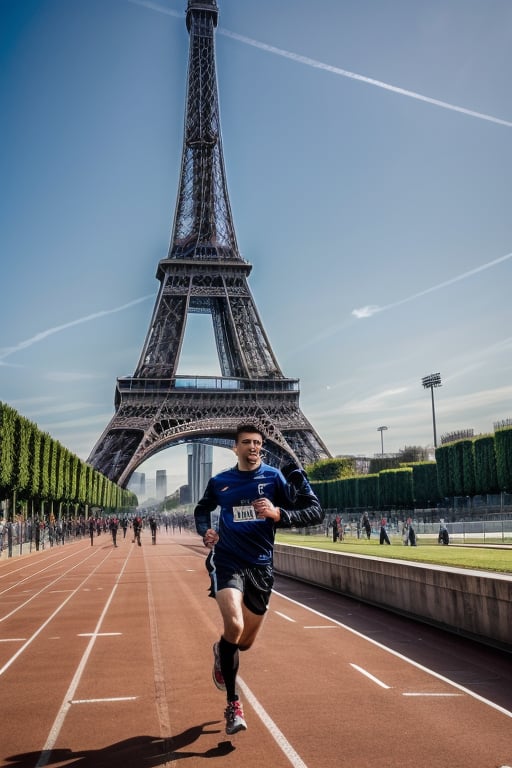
(210, 538)
(264, 508)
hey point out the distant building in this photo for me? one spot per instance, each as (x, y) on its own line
(137, 484)
(200, 466)
(161, 484)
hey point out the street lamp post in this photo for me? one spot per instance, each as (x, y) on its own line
(429, 382)
(381, 430)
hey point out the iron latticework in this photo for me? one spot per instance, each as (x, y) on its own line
(205, 273)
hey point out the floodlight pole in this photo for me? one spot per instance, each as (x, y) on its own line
(429, 382)
(381, 430)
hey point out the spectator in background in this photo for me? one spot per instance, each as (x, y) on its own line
(137, 529)
(384, 538)
(365, 523)
(114, 525)
(152, 525)
(444, 537)
(412, 534)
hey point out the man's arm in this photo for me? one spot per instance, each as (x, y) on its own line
(204, 509)
(302, 507)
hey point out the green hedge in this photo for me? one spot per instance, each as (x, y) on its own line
(486, 474)
(482, 465)
(503, 442)
(425, 485)
(36, 468)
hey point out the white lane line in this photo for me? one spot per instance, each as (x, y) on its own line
(48, 620)
(66, 704)
(279, 737)
(319, 626)
(12, 639)
(101, 701)
(43, 589)
(432, 694)
(371, 677)
(284, 616)
(23, 568)
(398, 655)
(99, 634)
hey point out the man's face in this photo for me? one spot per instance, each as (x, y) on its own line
(247, 449)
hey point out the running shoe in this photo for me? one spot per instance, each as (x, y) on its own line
(234, 715)
(217, 675)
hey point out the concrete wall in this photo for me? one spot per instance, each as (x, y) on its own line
(476, 604)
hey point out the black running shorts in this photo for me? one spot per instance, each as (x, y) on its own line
(255, 582)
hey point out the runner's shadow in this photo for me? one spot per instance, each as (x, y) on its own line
(149, 751)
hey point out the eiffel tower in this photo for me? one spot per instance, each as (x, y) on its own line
(203, 273)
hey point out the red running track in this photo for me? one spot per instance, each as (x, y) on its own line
(105, 660)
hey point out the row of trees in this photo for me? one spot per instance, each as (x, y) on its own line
(481, 465)
(41, 476)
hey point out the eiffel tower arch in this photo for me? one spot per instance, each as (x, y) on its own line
(203, 273)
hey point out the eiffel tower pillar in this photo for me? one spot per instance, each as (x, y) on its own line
(203, 273)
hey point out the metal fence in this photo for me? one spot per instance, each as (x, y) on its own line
(461, 531)
(22, 536)
(472, 532)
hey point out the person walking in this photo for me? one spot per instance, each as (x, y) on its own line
(384, 538)
(137, 529)
(152, 525)
(365, 523)
(114, 525)
(254, 499)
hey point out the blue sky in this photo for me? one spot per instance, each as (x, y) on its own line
(368, 151)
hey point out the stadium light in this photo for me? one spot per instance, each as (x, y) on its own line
(381, 430)
(429, 382)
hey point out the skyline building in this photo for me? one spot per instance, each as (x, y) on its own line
(161, 484)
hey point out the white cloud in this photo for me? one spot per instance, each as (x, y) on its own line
(473, 401)
(371, 309)
(375, 403)
(368, 311)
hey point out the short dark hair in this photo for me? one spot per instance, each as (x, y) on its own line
(252, 428)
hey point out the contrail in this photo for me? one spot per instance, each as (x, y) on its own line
(373, 309)
(362, 78)
(159, 8)
(335, 70)
(7, 351)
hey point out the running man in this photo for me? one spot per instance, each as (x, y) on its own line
(254, 499)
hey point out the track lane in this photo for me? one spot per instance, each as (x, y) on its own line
(145, 694)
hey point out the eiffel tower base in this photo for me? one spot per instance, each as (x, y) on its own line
(152, 415)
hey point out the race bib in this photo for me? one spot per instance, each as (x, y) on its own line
(244, 514)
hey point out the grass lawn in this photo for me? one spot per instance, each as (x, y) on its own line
(486, 559)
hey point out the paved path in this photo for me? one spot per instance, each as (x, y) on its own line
(105, 660)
